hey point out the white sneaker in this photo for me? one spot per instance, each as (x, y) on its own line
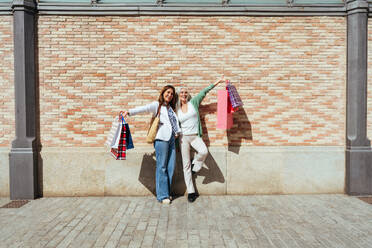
(166, 201)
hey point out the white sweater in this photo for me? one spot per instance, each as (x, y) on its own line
(189, 120)
(165, 128)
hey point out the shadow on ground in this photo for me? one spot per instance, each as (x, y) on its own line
(211, 173)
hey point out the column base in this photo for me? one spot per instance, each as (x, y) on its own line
(23, 174)
(359, 171)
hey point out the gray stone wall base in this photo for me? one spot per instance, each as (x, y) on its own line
(252, 170)
(23, 172)
(4, 171)
(359, 172)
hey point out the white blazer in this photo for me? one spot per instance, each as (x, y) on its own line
(165, 128)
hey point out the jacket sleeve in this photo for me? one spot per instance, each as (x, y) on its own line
(149, 108)
(196, 100)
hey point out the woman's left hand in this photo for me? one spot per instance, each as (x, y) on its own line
(222, 79)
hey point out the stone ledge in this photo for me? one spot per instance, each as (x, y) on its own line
(249, 170)
(4, 171)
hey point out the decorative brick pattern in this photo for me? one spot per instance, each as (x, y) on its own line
(290, 72)
(7, 122)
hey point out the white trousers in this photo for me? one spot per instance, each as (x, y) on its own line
(201, 154)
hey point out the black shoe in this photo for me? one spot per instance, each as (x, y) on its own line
(192, 172)
(191, 197)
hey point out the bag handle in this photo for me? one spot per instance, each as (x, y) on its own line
(228, 83)
(122, 118)
(158, 112)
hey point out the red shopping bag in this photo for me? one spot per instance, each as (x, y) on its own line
(224, 114)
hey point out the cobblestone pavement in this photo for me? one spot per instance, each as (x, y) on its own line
(211, 221)
(3, 201)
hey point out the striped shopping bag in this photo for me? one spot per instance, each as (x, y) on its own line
(112, 137)
(235, 99)
(119, 151)
(117, 139)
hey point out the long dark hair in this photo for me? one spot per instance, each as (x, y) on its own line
(173, 101)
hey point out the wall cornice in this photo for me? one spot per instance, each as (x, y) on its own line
(183, 9)
(204, 10)
(356, 6)
(192, 10)
(5, 9)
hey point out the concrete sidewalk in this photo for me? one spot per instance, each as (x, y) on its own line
(211, 221)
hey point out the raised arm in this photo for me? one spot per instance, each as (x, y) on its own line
(149, 108)
(220, 80)
(199, 97)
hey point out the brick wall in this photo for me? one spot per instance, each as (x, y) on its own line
(7, 130)
(289, 71)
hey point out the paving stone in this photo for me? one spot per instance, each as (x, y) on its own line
(4, 200)
(211, 221)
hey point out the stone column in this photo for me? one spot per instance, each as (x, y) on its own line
(358, 146)
(23, 157)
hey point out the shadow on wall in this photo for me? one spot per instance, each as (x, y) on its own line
(147, 173)
(205, 109)
(148, 170)
(241, 130)
(211, 173)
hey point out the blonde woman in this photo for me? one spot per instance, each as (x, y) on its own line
(188, 116)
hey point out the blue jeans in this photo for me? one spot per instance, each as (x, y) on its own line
(165, 162)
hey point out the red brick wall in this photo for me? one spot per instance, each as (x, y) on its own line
(7, 129)
(290, 72)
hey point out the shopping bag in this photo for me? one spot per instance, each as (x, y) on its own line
(128, 136)
(153, 129)
(114, 134)
(234, 97)
(119, 153)
(224, 114)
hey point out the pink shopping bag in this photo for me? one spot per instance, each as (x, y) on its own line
(224, 114)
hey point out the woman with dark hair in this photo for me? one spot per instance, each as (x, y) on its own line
(164, 144)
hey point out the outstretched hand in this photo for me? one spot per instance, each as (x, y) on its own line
(220, 80)
(124, 113)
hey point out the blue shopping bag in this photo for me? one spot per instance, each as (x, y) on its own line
(128, 136)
